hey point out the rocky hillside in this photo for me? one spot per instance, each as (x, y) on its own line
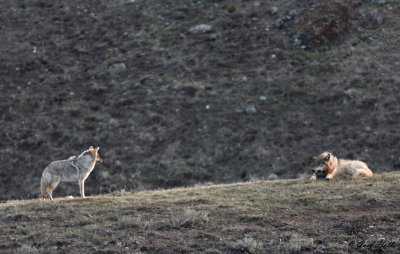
(181, 92)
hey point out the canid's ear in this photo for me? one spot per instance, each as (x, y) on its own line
(91, 148)
(328, 157)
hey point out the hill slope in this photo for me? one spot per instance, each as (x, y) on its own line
(285, 216)
(171, 107)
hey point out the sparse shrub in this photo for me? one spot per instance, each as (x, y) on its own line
(81, 222)
(21, 4)
(179, 15)
(371, 17)
(355, 42)
(129, 222)
(248, 245)
(189, 218)
(80, 48)
(323, 24)
(231, 8)
(298, 243)
(25, 249)
(24, 230)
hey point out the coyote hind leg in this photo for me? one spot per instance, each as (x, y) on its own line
(52, 187)
(47, 188)
(46, 192)
(44, 188)
(362, 173)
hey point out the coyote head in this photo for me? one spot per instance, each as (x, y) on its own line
(95, 153)
(90, 156)
(322, 163)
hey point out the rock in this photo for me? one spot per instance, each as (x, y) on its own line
(175, 87)
(353, 92)
(205, 87)
(116, 68)
(104, 175)
(239, 111)
(381, 2)
(202, 28)
(274, 10)
(279, 23)
(160, 50)
(208, 87)
(273, 176)
(250, 110)
(213, 37)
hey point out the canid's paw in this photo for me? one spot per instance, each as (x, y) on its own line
(329, 177)
(313, 177)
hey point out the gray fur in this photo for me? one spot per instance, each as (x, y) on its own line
(71, 170)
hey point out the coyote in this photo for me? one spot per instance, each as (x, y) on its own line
(329, 165)
(73, 169)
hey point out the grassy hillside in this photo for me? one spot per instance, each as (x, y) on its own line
(286, 216)
(173, 107)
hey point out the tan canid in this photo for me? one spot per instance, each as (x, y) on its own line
(331, 166)
(73, 169)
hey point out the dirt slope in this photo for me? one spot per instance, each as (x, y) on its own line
(169, 107)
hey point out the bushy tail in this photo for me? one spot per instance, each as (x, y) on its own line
(44, 187)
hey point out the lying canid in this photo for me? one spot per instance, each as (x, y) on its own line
(331, 166)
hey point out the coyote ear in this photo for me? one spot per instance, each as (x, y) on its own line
(91, 148)
(328, 157)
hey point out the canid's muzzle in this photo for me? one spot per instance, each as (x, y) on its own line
(317, 169)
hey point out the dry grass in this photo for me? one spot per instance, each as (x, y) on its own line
(289, 216)
(248, 245)
(298, 243)
(189, 218)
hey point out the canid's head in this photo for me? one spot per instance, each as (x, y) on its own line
(92, 153)
(95, 153)
(322, 162)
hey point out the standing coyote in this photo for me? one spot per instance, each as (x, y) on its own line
(73, 169)
(331, 166)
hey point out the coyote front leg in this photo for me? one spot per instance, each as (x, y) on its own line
(82, 188)
(331, 175)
